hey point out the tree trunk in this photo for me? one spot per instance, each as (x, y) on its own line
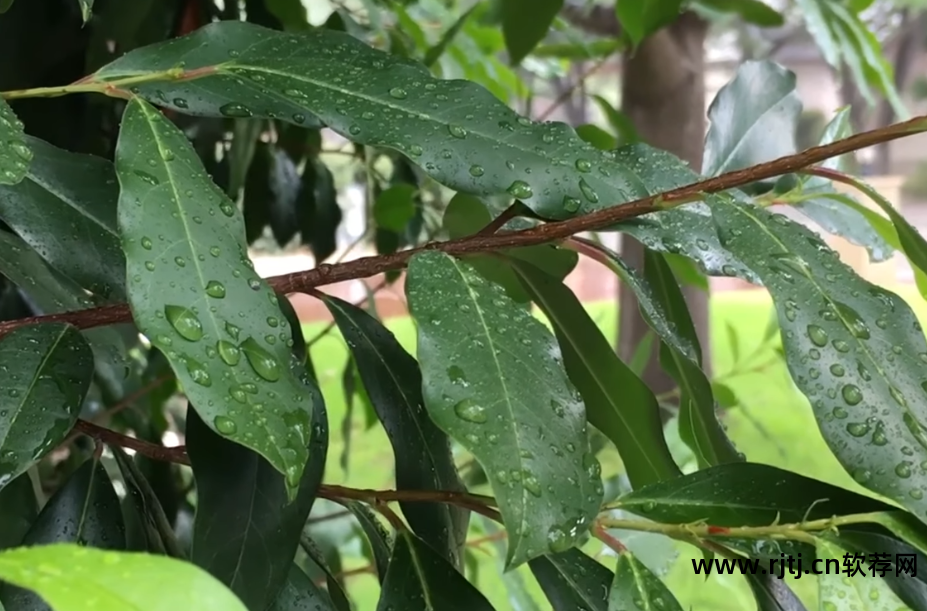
(910, 32)
(663, 94)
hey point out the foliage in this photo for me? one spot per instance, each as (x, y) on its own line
(133, 312)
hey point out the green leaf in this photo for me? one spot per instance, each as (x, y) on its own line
(46, 372)
(299, 593)
(584, 49)
(239, 492)
(65, 208)
(193, 291)
(698, 423)
(435, 52)
(619, 121)
(597, 137)
(379, 540)
(854, 349)
(5, 6)
(245, 133)
(290, 13)
(18, 509)
(745, 494)
(478, 146)
(753, 118)
(865, 591)
(685, 230)
(773, 594)
(319, 212)
(911, 589)
(636, 588)
(77, 578)
(525, 424)
(419, 579)
(86, 9)
(572, 580)
(642, 18)
(15, 155)
(751, 11)
(617, 402)
(424, 461)
(85, 510)
(326, 562)
(395, 207)
(525, 23)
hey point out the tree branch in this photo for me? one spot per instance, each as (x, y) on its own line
(606, 217)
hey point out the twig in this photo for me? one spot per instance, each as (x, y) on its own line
(497, 223)
(176, 454)
(550, 232)
(569, 91)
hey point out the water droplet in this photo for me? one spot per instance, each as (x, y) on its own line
(180, 103)
(588, 192)
(476, 171)
(227, 209)
(262, 361)
(837, 370)
(415, 150)
(236, 110)
(355, 130)
(146, 177)
(471, 412)
(398, 93)
(228, 352)
(185, 322)
(851, 394)
(903, 469)
(841, 346)
(817, 335)
(571, 204)
(897, 396)
(583, 165)
(857, 429)
(531, 484)
(854, 321)
(198, 373)
(457, 131)
(254, 284)
(216, 289)
(558, 540)
(232, 330)
(225, 425)
(520, 189)
(180, 261)
(146, 243)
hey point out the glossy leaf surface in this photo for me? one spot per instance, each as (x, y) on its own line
(75, 578)
(193, 291)
(18, 509)
(864, 591)
(15, 154)
(393, 382)
(45, 371)
(854, 349)
(493, 379)
(636, 588)
(299, 593)
(572, 580)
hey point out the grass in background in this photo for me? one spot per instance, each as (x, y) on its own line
(773, 424)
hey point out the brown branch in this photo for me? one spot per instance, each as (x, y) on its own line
(176, 454)
(550, 232)
(499, 222)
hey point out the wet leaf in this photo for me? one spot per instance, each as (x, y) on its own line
(865, 591)
(240, 492)
(393, 382)
(479, 146)
(635, 588)
(854, 349)
(18, 509)
(85, 510)
(379, 540)
(65, 208)
(299, 593)
(572, 580)
(15, 154)
(419, 579)
(617, 402)
(77, 578)
(194, 292)
(493, 379)
(45, 372)
(773, 594)
(753, 118)
(912, 589)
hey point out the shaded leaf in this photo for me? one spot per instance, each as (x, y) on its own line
(751, 11)
(642, 18)
(619, 121)
(380, 541)
(77, 578)
(65, 208)
(393, 382)
(420, 579)
(525, 23)
(525, 424)
(851, 347)
(753, 118)
(394, 208)
(329, 564)
(218, 323)
(597, 137)
(245, 134)
(85, 510)
(45, 372)
(572, 580)
(481, 146)
(299, 593)
(617, 402)
(18, 509)
(773, 594)
(635, 588)
(319, 212)
(15, 155)
(239, 492)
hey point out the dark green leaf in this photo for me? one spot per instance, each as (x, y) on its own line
(193, 291)
(65, 208)
(773, 594)
(753, 118)
(479, 146)
(911, 589)
(319, 212)
(572, 580)
(299, 593)
(240, 492)
(5, 5)
(256, 201)
(617, 402)
(525, 23)
(380, 541)
(241, 152)
(854, 349)
(15, 156)
(395, 207)
(329, 564)
(85, 510)
(642, 18)
(423, 458)
(751, 11)
(285, 185)
(76, 578)
(621, 124)
(18, 509)
(290, 13)
(745, 494)
(525, 424)
(419, 579)
(636, 588)
(597, 137)
(45, 372)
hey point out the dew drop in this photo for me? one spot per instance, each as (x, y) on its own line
(857, 429)
(398, 93)
(851, 394)
(185, 322)
(146, 243)
(146, 177)
(228, 352)
(216, 289)
(817, 335)
(471, 412)
(232, 330)
(583, 165)
(225, 425)
(198, 373)
(571, 204)
(476, 171)
(235, 110)
(262, 362)
(457, 131)
(180, 103)
(558, 540)
(588, 192)
(531, 484)
(520, 189)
